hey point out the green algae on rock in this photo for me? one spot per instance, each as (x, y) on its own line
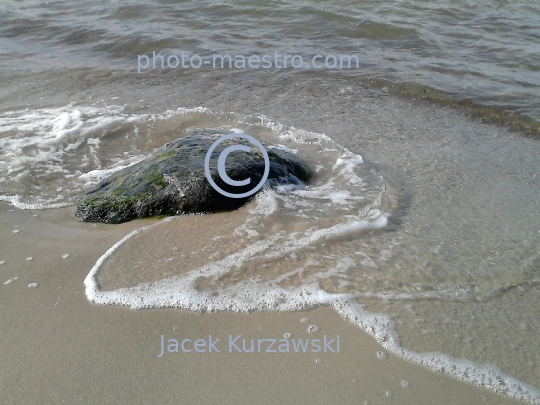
(173, 181)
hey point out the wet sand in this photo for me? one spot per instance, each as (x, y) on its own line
(59, 348)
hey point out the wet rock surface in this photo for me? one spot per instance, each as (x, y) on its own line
(172, 181)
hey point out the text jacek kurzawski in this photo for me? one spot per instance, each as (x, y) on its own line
(240, 344)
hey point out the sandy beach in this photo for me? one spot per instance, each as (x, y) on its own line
(59, 348)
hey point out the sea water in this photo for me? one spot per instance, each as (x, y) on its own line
(420, 225)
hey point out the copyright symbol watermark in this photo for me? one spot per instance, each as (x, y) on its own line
(221, 165)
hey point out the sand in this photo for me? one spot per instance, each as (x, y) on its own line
(59, 348)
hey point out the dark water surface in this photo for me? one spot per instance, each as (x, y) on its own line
(484, 51)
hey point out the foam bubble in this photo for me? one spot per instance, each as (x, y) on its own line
(33, 285)
(29, 258)
(65, 256)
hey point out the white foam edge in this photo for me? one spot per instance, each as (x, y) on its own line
(283, 148)
(314, 235)
(96, 175)
(186, 283)
(483, 375)
(250, 296)
(17, 202)
(297, 135)
(50, 116)
(284, 132)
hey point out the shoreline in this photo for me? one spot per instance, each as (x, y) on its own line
(406, 270)
(370, 123)
(52, 331)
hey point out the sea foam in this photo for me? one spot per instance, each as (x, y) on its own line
(336, 207)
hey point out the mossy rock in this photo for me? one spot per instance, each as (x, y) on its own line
(172, 181)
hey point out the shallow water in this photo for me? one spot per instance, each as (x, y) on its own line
(416, 212)
(450, 240)
(482, 51)
(444, 233)
(428, 215)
